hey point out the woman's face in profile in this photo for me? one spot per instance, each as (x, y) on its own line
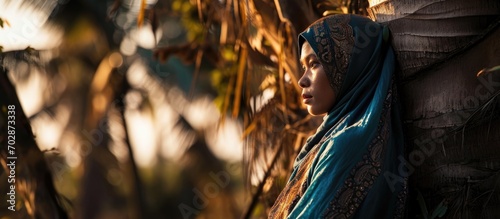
(317, 93)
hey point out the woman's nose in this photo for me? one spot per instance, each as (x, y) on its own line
(304, 81)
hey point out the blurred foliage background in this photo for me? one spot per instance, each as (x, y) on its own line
(122, 128)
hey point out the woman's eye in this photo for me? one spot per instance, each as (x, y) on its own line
(314, 64)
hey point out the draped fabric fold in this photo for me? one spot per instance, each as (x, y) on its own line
(349, 167)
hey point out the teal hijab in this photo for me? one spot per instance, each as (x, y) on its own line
(347, 168)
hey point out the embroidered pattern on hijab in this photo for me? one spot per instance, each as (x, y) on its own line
(340, 35)
(341, 170)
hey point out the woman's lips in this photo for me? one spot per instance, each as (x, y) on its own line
(306, 98)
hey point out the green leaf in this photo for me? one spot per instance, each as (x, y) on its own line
(496, 68)
(423, 207)
(439, 211)
(488, 70)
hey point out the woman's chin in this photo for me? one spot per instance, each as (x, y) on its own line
(314, 112)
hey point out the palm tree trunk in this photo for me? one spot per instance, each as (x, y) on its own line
(451, 112)
(453, 131)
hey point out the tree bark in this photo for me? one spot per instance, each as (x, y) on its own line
(451, 113)
(453, 132)
(430, 31)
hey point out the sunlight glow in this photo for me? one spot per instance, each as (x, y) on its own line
(134, 5)
(172, 146)
(225, 142)
(30, 91)
(202, 113)
(376, 2)
(128, 46)
(137, 74)
(70, 148)
(142, 137)
(27, 27)
(167, 105)
(117, 133)
(175, 142)
(144, 36)
(47, 130)
(262, 99)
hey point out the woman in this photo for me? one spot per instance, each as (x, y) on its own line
(349, 167)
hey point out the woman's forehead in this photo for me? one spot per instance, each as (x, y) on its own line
(306, 51)
(306, 47)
